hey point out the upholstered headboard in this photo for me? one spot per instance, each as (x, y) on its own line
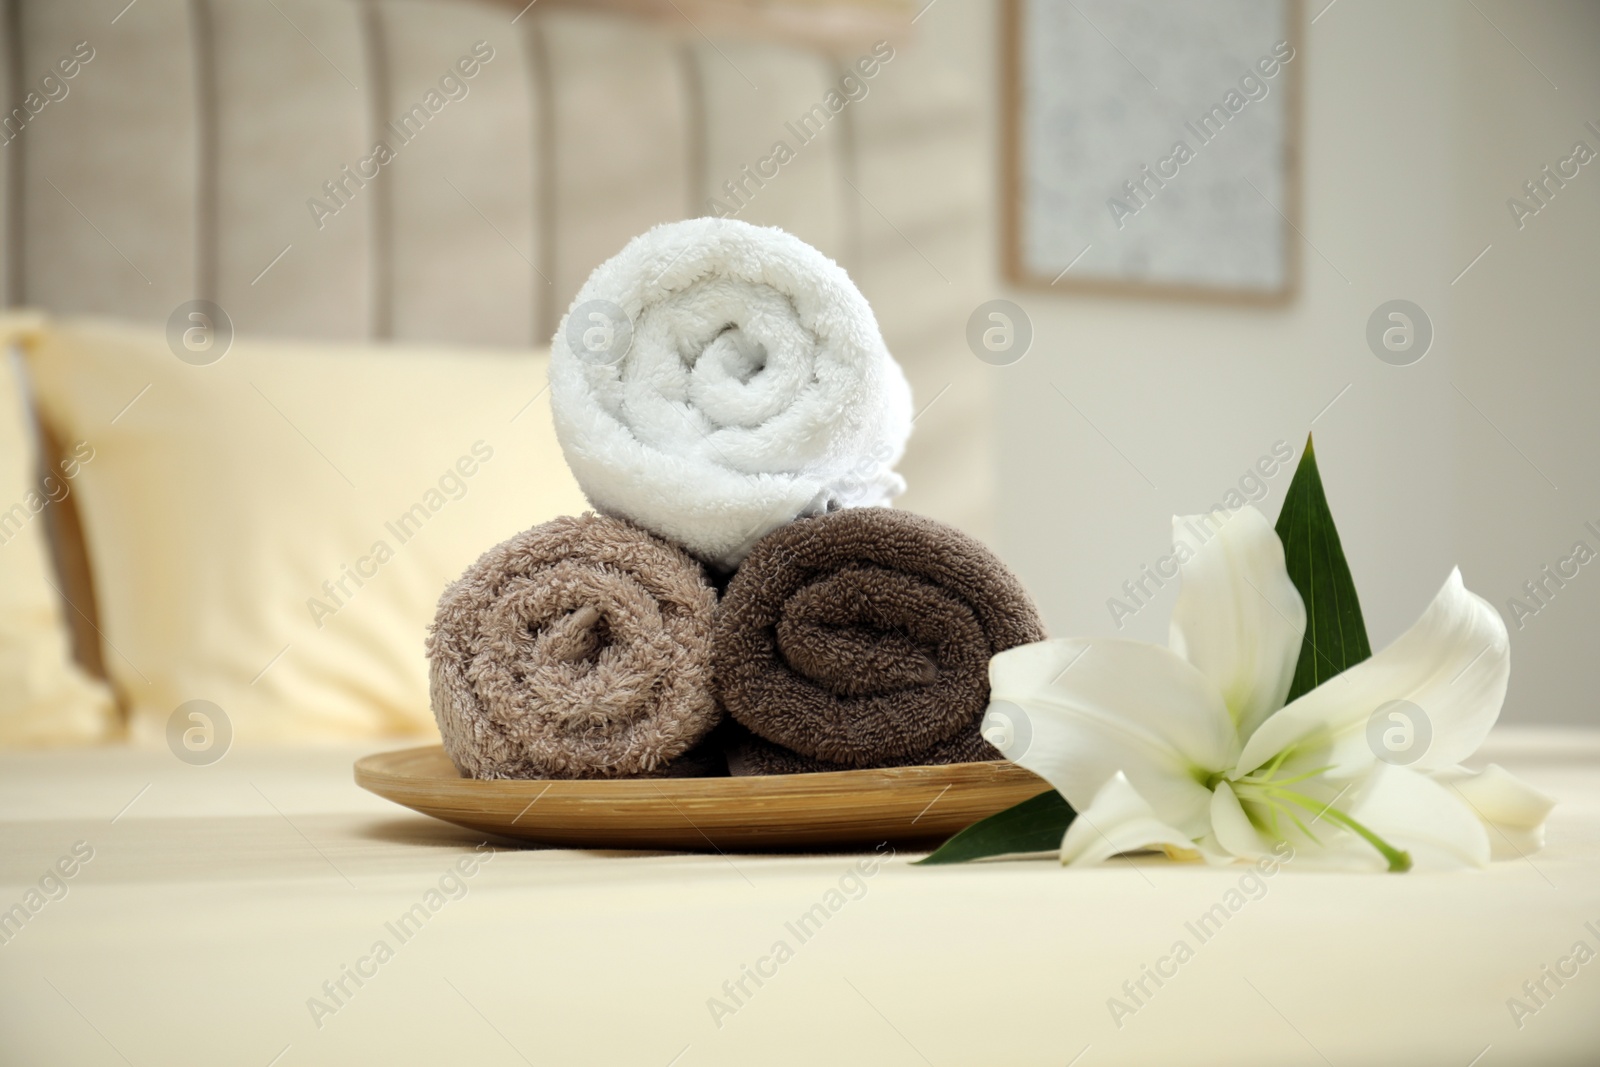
(185, 158)
(188, 155)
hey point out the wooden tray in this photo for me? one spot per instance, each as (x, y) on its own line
(790, 811)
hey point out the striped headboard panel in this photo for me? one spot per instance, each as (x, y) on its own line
(223, 149)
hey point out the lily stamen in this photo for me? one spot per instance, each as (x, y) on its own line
(1253, 780)
(1277, 798)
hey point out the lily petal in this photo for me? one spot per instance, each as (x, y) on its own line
(1118, 820)
(1090, 708)
(1233, 829)
(1413, 812)
(1238, 617)
(1453, 665)
(1512, 810)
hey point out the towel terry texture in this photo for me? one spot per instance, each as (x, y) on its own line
(862, 638)
(577, 649)
(747, 754)
(714, 380)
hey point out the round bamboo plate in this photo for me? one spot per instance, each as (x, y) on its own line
(791, 811)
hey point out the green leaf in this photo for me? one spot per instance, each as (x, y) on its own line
(1035, 825)
(1336, 636)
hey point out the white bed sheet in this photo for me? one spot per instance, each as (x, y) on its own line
(220, 899)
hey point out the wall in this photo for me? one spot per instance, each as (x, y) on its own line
(1174, 402)
(1526, 341)
(1419, 120)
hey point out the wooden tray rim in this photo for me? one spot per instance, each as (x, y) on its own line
(379, 768)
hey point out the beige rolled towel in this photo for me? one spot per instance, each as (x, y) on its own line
(577, 649)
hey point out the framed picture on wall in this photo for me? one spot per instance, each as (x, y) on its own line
(1150, 148)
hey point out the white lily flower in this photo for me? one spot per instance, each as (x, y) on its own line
(1191, 749)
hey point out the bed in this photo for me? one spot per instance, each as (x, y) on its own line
(261, 909)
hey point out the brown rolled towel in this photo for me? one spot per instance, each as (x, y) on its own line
(862, 638)
(746, 754)
(577, 649)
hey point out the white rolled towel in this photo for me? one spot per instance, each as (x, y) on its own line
(715, 380)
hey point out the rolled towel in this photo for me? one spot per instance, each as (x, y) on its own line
(577, 649)
(746, 754)
(862, 638)
(714, 380)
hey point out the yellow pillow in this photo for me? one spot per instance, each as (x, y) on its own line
(270, 532)
(45, 698)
